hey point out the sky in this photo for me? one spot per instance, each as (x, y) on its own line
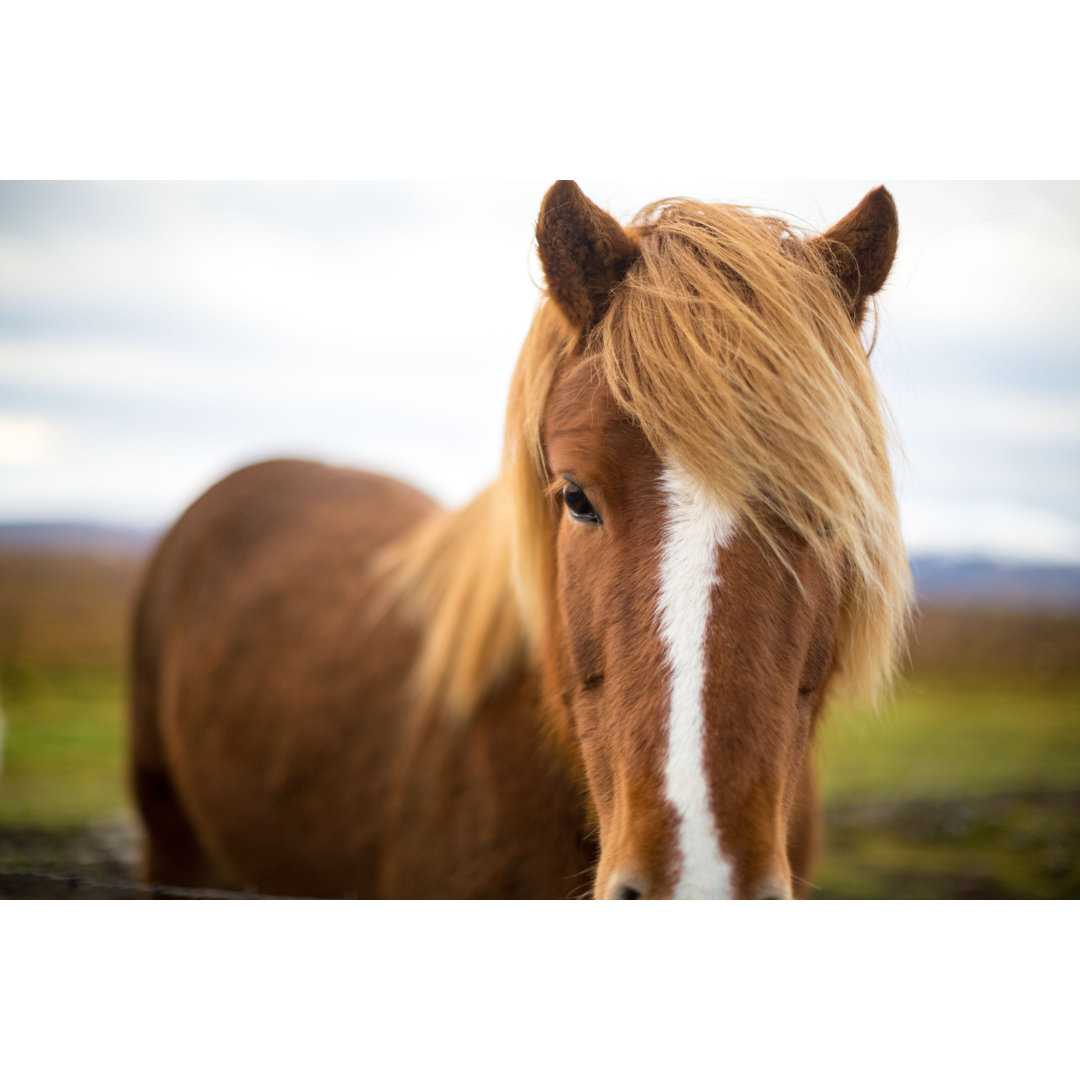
(155, 336)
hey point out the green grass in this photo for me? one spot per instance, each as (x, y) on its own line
(63, 621)
(64, 750)
(960, 787)
(944, 737)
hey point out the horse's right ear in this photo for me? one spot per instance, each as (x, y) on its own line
(585, 253)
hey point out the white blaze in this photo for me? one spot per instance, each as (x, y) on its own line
(697, 526)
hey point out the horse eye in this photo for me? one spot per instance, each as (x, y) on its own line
(578, 504)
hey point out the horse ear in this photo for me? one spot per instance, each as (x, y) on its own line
(585, 253)
(859, 248)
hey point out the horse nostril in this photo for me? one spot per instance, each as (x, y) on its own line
(627, 892)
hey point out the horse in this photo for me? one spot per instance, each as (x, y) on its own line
(602, 676)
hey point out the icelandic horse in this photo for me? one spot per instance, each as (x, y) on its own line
(603, 675)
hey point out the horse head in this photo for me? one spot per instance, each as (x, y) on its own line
(707, 535)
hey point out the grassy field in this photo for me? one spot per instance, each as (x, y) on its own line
(943, 738)
(960, 787)
(64, 752)
(62, 630)
(966, 784)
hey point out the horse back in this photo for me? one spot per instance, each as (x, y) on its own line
(261, 689)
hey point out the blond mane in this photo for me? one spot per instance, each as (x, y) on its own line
(730, 345)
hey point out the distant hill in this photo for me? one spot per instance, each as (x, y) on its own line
(946, 581)
(78, 538)
(940, 581)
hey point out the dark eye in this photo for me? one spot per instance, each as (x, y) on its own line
(578, 504)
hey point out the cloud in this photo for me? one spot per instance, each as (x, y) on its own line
(26, 440)
(996, 528)
(268, 267)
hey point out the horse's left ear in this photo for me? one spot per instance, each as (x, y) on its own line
(860, 248)
(585, 253)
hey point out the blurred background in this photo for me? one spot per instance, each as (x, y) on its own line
(155, 336)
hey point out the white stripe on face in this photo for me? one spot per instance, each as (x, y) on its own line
(697, 526)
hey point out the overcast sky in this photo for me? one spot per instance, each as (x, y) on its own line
(153, 337)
